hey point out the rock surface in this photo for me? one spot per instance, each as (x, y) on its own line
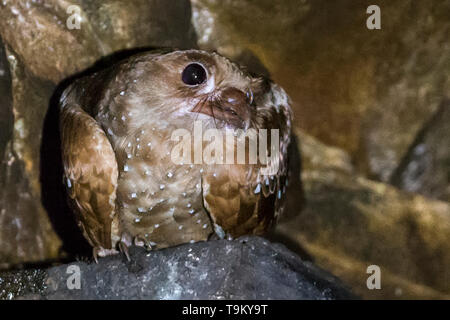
(367, 92)
(425, 168)
(350, 222)
(26, 233)
(246, 268)
(53, 48)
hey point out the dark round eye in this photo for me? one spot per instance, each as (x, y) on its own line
(194, 74)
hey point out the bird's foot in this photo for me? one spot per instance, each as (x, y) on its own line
(124, 243)
(102, 252)
(141, 241)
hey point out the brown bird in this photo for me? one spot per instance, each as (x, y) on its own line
(117, 130)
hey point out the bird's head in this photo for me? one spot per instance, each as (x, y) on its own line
(183, 86)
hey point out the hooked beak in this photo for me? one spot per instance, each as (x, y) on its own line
(231, 105)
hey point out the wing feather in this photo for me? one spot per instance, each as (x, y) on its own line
(91, 173)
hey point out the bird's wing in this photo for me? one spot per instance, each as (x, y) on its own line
(91, 172)
(244, 198)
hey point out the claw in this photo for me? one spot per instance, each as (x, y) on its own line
(124, 243)
(141, 241)
(102, 252)
(95, 254)
(124, 249)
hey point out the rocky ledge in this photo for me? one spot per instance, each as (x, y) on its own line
(246, 268)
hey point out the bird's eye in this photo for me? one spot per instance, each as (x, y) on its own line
(194, 74)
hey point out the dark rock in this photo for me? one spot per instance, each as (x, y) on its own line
(38, 31)
(246, 268)
(26, 233)
(425, 168)
(22, 282)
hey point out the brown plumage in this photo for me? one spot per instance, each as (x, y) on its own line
(116, 130)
